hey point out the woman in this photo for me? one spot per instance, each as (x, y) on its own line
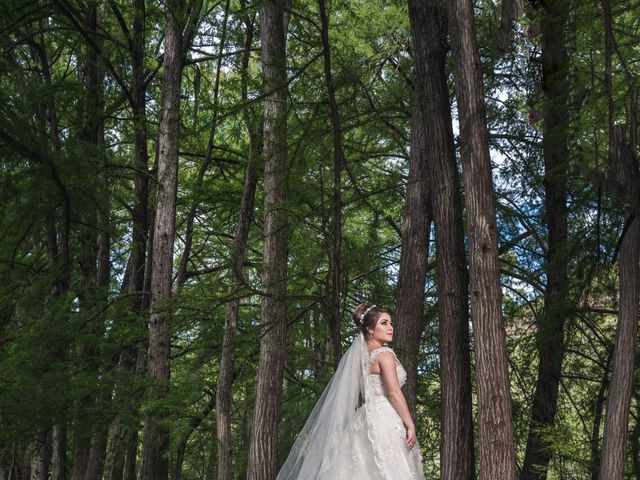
(361, 428)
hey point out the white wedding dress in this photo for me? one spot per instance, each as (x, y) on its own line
(354, 432)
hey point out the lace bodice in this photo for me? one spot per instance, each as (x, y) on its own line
(376, 378)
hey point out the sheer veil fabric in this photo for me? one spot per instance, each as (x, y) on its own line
(343, 438)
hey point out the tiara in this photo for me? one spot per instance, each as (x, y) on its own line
(365, 313)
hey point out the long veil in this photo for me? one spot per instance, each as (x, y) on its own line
(323, 445)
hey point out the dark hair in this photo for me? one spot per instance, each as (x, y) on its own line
(370, 319)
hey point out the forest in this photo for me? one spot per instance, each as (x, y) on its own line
(196, 194)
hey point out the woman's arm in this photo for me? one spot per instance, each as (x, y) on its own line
(387, 363)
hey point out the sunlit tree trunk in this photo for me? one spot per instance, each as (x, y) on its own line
(153, 464)
(262, 448)
(497, 455)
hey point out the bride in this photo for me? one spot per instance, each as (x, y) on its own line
(361, 428)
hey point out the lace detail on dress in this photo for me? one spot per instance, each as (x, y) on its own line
(378, 452)
(377, 379)
(360, 427)
(379, 406)
(373, 354)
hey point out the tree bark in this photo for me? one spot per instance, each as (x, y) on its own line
(39, 458)
(95, 467)
(114, 462)
(509, 12)
(262, 447)
(140, 224)
(624, 177)
(550, 334)
(618, 402)
(58, 453)
(497, 456)
(429, 36)
(414, 255)
(156, 435)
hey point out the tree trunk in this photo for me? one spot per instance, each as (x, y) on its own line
(93, 137)
(156, 435)
(429, 37)
(232, 309)
(97, 454)
(140, 227)
(624, 172)
(262, 447)
(414, 255)
(616, 421)
(338, 162)
(550, 334)
(227, 360)
(98, 445)
(39, 458)
(135, 280)
(47, 115)
(122, 438)
(132, 437)
(497, 456)
(58, 452)
(115, 454)
(509, 13)
(131, 455)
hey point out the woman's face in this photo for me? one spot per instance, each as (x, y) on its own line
(383, 330)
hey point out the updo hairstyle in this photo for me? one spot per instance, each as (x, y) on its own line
(366, 316)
